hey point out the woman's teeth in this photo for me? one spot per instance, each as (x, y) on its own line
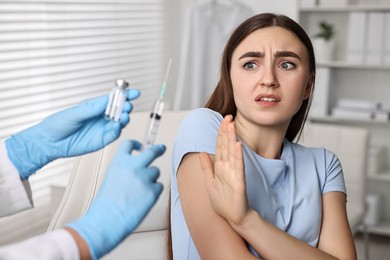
(268, 99)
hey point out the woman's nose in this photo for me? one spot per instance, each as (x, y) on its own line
(268, 78)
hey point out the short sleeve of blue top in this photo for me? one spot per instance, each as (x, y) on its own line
(286, 192)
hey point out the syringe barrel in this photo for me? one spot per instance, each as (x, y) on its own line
(155, 117)
(116, 100)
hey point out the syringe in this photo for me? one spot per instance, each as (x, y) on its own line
(155, 115)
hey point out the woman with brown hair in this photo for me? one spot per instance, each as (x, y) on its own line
(263, 195)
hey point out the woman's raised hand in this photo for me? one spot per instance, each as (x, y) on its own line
(225, 179)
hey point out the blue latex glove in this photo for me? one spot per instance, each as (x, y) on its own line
(75, 131)
(127, 193)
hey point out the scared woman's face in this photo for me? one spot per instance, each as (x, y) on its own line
(270, 77)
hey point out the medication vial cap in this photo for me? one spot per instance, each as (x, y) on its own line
(121, 83)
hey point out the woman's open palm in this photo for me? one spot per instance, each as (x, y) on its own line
(225, 179)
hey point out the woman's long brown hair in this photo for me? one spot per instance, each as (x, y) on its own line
(222, 99)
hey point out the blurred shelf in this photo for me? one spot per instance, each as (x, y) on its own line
(382, 228)
(336, 120)
(347, 65)
(383, 176)
(347, 8)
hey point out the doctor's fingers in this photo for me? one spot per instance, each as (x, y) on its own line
(127, 107)
(132, 94)
(157, 189)
(150, 174)
(147, 156)
(127, 146)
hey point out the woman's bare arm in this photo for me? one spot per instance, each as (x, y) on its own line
(335, 239)
(214, 238)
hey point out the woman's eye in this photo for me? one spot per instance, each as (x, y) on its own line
(287, 65)
(250, 65)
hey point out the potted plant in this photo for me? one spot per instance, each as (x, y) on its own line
(323, 42)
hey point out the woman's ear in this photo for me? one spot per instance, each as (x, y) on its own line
(309, 86)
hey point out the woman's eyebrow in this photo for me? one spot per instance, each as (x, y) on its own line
(252, 54)
(258, 54)
(286, 54)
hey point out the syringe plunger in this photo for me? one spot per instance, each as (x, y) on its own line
(155, 117)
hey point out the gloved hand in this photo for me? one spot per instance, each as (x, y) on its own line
(75, 131)
(127, 193)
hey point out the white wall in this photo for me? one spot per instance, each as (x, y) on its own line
(286, 7)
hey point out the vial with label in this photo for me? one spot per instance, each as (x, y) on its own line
(116, 100)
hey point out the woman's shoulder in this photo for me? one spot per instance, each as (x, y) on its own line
(197, 133)
(204, 113)
(202, 117)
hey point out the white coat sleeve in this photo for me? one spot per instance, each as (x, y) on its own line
(58, 245)
(15, 194)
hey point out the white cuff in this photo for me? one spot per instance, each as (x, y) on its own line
(15, 194)
(58, 244)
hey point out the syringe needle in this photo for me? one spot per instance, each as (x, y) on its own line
(164, 85)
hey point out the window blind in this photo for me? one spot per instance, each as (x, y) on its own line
(54, 54)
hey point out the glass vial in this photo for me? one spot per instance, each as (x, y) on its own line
(116, 100)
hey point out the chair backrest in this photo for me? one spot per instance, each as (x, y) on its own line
(350, 144)
(148, 241)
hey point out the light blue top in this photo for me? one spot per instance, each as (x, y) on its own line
(286, 192)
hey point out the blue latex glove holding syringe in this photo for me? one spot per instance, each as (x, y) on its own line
(89, 127)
